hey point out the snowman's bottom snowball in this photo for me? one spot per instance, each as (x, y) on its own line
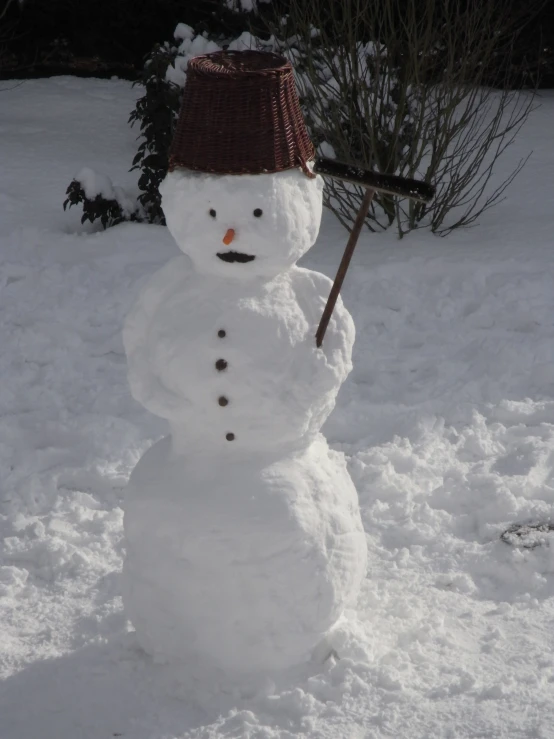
(237, 567)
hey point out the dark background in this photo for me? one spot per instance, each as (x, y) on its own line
(98, 37)
(112, 37)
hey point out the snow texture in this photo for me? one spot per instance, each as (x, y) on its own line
(95, 184)
(446, 420)
(243, 533)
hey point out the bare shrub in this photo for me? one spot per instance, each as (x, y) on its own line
(419, 89)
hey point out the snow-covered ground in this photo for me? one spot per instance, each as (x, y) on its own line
(447, 421)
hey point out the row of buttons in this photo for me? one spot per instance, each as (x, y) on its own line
(220, 366)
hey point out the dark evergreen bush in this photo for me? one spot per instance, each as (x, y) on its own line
(59, 34)
(155, 113)
(39, 37)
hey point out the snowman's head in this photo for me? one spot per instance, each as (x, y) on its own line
(242, 226)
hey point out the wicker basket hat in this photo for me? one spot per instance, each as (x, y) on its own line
(240, 114)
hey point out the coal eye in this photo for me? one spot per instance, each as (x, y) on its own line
(258, 212)
(212, 213)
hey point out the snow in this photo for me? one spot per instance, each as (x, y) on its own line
(447, 421)
(242, 529)
(183, 31)
(195, 45)
(95, 183)
(189, 47)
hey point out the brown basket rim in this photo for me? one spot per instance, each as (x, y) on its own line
(306, 169)
(211, 64)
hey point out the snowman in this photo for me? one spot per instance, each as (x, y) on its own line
(244, 543)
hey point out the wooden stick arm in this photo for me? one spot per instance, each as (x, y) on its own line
(372, 181)
(341, 274)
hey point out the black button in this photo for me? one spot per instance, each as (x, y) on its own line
(220, 365)
(229, 437)
(223, 400)
(221, 333)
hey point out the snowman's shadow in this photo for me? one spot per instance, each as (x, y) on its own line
(112, 689)
(96, 692)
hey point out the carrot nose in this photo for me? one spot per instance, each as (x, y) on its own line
(229, 236)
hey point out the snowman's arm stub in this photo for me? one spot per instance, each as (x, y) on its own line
(312, 291)
(320, 372)
(147, 386)
(156, 290)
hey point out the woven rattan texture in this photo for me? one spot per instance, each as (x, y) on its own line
(240, 114)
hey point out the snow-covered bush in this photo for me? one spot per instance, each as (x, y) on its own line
(396, 86)
(101, 199)
(321, 99)
(155, 113)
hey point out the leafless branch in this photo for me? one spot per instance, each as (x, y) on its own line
(402, 86)
(5, 8)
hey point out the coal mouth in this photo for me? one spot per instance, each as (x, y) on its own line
(235, 256)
